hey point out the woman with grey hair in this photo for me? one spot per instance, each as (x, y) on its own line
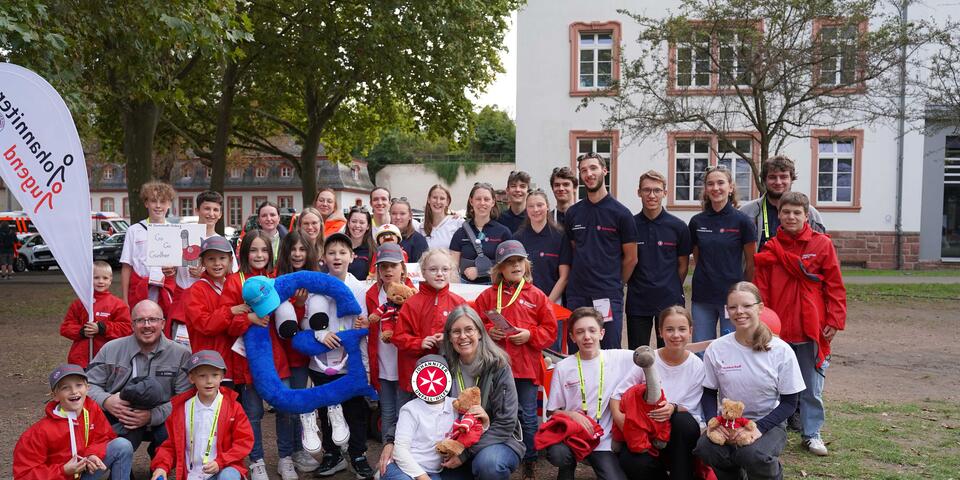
(476, 361)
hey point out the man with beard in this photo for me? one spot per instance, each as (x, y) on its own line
(133, 378)
(778, 174)
(603, 235)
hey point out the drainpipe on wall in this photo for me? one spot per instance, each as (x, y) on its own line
(898, 242)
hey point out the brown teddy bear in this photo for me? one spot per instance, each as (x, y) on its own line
(731, 418)
(467, 430)
(386, 314)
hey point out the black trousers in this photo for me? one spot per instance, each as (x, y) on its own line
(759, 460)
(355, 412)
(676, 457)
(638, 330)
(604, 463)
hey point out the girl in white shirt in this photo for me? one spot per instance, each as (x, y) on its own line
(439, 224)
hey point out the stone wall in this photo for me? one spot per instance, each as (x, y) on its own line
(877, 249)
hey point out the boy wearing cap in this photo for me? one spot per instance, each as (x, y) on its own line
(111, 319)
(207, 329)
(74, 439)
(386, 234)
(209, 433)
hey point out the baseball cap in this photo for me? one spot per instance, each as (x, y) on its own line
(206, 357)
(63, 371)
(431, 380)
(390, 252)
(258, 292)
(510, 248)
(389, 228)
(339, 237)
(215, 243)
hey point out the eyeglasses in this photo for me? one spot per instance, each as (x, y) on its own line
(358, 209)
(483, 185)
(147, 320)
(711, 168)
(587, 155)
(560, 169)
(400, 199)
(466, 332)
(648, 191)
(737, 308)
(436, 270)
(535, 190)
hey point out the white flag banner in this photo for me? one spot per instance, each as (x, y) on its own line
(42, 164)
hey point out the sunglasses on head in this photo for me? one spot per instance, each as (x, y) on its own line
(396, 199)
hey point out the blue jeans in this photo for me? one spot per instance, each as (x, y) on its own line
(811, 399)
(119, 460)
(527, 400)
(389, 410)
(613, 330)
(298, 380)
(705, 318)
(394, 473)
(494, 462)
(228, 473)
(253, 406)
(557, 346)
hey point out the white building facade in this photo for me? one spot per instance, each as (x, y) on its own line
(567, 48)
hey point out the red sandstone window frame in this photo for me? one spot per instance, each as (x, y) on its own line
(103, 204)
(862, 27)
(181, 201)
(238, 221)
(284, 201)
(613, 135)
(712, 160)
(714, 87)
(815, 136)
(612, 27)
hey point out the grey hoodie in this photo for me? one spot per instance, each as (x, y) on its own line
(753, 210)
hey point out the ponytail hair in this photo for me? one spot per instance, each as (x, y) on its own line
(760, 341)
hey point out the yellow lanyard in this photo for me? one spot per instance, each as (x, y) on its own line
(766, 226)
(583, 393)
(476, 381)
(512, 299)
(213, 430)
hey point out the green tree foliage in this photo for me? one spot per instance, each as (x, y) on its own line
(495, 132)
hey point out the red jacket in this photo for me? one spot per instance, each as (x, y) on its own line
(294, 357)
(531, 311)
(237, 325)
(799, 278)
(44, 448)
(422, 315)
(234, 435)
(639, 430)
(109, 311)
(563, 429)
(207, 329)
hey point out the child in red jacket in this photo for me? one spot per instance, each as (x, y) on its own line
(209, 433)
(532, 327)
(111, 319)
(74, 439)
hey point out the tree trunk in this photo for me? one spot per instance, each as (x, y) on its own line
(139, 128)
(218, 162)
(308, 163)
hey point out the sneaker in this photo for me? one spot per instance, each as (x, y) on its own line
(340, 433)
(529, 469)
(815, 446)
(286, 470)
(332, 463)
(362, 468)
(793, 423)
(304, 461)
(310, 436)
(258, 471)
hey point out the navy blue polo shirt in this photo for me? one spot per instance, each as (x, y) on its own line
(655, 284)
(547, 250)
(360, 266)
(414, 245)
(492, 234)
(511, 220)
(720, 236)
(598, 232)
(773, 223)
(558, 216)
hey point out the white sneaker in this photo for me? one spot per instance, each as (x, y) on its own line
(258, 471)
(340, 433)
(286, 470)
(304, 461)
(815, 446)
(310, 437)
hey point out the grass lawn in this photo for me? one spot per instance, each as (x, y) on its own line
(867, 272)
(883, 441)
(918, 290)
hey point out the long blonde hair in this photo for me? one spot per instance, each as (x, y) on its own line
(760, 341)
(318, 243)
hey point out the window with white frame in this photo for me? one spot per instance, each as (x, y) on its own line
(235, 211)
(728, 156)
(693, 61)
(284, 201)
(106, 204)
(602, 147)
(126, 207)
(286, 171)
(835, 170)
(209, 172)
(734, 58)
(839, 50)
(236, 172)
(691, 158)
(260, 172)
(108, 173)
(596, 60)
(186, 206)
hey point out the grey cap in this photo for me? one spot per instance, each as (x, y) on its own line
(206, 357)
(390, 252)
(510, 248)
(63, 371)
(215, 243)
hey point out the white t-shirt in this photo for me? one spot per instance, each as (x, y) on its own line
(682, 384)
(443, 233)
(134, 251)
(202, 425)
(420, 426)
(755, 378)
(338, 324)
(387, 352)
(565, 393)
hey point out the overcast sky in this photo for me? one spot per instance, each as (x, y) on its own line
(503, 91)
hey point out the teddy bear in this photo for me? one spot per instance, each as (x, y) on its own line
(386, 314)
(467, 430)
(730, 417)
